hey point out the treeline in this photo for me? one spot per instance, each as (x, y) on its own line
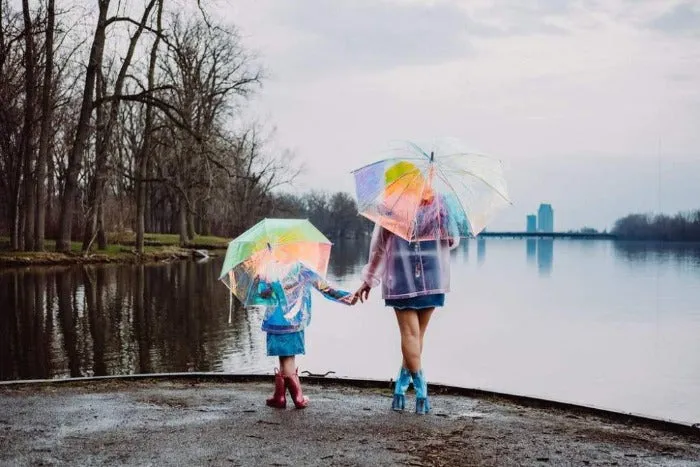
(335, 214)
(681, 227)
(127, 116)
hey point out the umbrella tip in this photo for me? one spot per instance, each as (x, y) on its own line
(432, 156)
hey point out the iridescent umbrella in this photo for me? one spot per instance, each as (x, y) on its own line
(268, 252)
(432, 192)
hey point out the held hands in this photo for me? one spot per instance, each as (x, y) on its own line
(362, 293)
(349, 299)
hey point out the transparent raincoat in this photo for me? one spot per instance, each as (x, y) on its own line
(287, 301)
(410, 269)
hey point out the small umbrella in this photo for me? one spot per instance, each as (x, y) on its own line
(432, 192)
(269, 251)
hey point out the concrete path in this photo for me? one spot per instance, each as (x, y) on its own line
(180, 422)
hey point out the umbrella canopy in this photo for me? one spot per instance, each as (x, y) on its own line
(269, 252)
(432, 192)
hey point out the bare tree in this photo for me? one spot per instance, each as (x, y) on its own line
(45, 132)
(11, 117)
(147, 144)
(207, 70)
(104, 129)
(28, 128)
(82, 131)
(146, 125)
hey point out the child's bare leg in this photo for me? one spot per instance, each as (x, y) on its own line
(287, 365)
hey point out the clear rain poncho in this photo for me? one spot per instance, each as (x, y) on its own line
(287, 301)
(408, 269)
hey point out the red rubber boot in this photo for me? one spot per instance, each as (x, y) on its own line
(294, 385)
(279, 398)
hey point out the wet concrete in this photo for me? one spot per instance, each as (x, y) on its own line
(209, 422)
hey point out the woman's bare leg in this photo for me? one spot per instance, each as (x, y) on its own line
(409, 327)
(423, 320)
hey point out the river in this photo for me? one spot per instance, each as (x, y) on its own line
(603, 323)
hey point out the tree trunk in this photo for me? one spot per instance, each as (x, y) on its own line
(205, 222)
(27, 131)
(45, 134)
(141, 200)
(51, 202)
(75, 158)
(191, 232)
(15, 242)
(182, 224)
(142, 163)
(97, 184)
(101, 233)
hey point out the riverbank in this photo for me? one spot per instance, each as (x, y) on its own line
(197, 421)
(157, 247)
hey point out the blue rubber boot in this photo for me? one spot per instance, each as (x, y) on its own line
(403, 380)
(420, 384)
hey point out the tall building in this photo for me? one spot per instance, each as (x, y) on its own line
(531, 223)
(545, 218)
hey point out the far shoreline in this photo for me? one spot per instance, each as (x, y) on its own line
(157, 248)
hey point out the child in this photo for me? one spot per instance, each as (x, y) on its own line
(287, 303)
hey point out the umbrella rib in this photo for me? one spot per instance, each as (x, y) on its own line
(478, 177)
(469, 189)
(496, 190)
(485, 182)
(417, 148)
(446, 180)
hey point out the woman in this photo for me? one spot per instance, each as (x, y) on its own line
(415, 277)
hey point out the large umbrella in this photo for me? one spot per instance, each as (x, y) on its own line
(271, 250)
(432, 192)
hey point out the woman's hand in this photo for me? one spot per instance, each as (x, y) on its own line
(363, 292)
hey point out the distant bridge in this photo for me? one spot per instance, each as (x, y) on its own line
(578, 235)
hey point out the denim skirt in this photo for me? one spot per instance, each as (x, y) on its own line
(285, 345)
(417, 303)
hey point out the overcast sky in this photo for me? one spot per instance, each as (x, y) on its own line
(593, 106)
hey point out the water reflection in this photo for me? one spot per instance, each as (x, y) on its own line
(461, 252)
(348, 255)
(531, 250)
(682, 254)
(480, 250)
(101, 320)
(545, 256)
(540, 252)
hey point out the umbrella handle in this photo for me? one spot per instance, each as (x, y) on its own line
(230, 306)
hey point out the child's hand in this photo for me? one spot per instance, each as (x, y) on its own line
(349, 299)
(266, 293)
